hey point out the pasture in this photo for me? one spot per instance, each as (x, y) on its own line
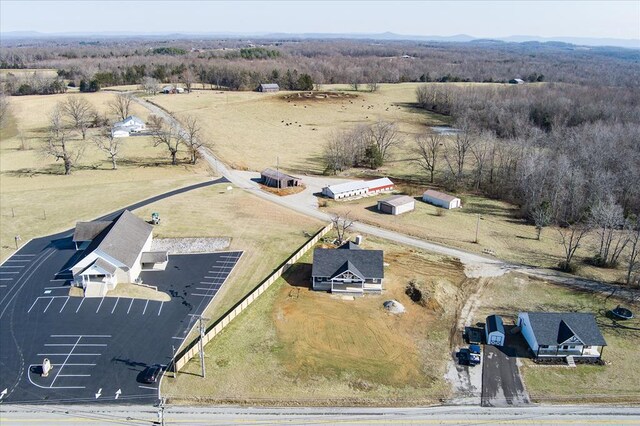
(295, 346)
(37, 199)
(253, 131)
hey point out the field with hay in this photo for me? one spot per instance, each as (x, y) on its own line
(294, 346)
(254, 131)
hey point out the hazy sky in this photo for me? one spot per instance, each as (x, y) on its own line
(618, 19)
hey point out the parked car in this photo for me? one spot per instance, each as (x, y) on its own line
(151, 374)
(466, 357)
(475, 349)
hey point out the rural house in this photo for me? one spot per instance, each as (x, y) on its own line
(268, 87)
(278, 179)
(562, 334)
(494, 330)
(357, 188)
(124, 128)
(441, 199)
(396, 204)
(347, 269)
(113, 251)
(516, 81)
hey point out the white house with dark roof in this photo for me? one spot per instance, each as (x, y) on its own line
(347, 269)
(562, 334)
(124, 128)
(113, 252)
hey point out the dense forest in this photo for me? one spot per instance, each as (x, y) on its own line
(242, 65)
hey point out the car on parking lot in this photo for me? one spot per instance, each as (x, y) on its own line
(151, 374)
(466, 357)
(475, 349)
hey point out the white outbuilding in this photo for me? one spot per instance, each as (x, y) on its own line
(358, 188)
(441, 199)
(494, 330)
(396, 204)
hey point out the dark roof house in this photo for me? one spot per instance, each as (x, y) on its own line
(348, 269)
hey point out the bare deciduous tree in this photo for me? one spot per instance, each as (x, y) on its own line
(341, 223)
(193, 137)
(57, 146)
(120, 105)
(188, 78)
(571, 236)
(109, 145)
(4, 109)
(150, 85)
(80, 113)
(427, 148)
(541, 216)
(167, 135)
(633, 265)
(384, 135)
(607, 219)
(456, 154)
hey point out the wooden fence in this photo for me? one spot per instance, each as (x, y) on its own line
(192, 349)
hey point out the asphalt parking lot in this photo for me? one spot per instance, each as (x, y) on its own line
(98, 346)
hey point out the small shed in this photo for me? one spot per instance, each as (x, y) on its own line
(268, 87)
(516, 81)
(277, 179)
(441, 199)
(494, 330)
(396, 204)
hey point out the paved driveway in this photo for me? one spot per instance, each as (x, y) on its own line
(501, 382)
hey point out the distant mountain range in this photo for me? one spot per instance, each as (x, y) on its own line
(580, 41)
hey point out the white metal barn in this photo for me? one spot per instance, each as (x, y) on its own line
(441, 199)
(396, 204)
(494, 330)
(357, 188)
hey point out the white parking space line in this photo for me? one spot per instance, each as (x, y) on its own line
(73, 375)
(206, 288)
(214, 278)
(145, 307)
(12, 266)
(72, 344)
(114, 306)
(81, 302)
(147, 387)
(59, 279)
(3, 285)
(100, 305)
(178, 338)
(56, 288)
(203, 295)
(17, 260)
(25, 255)
(68, 354)
(130, 304)
(207, 282)
(49, 304)
(65, 361)
(160, 309)
(65, 304)
(9, 272)
(6, 279)
(95, 336)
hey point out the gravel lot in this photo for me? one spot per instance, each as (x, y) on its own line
(190, 245)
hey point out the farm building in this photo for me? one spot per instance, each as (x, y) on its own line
(562, 334)
(347, 269)
(357, 188)
(124, 128)
(516, 81)
(494, 330)
(112, 252)
(397, 204)
(441, 199)
(278, 179)
(268, 87)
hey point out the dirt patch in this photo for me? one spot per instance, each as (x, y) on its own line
(135, 291)
(318, 96)
(283, 191)
(76, 291)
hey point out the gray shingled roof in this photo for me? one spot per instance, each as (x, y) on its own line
(87, 231)
(439, 195)
(328, 262)
(269, 86)
(350, 245)
(275, 174)
(154, 257)
(554, 328)
(124, 239)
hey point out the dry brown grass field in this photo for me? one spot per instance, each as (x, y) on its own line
(255, 130)
(296, 346)
(267, 233)
(33, 187)
(499, 230)
(617, 381)
(26, 73)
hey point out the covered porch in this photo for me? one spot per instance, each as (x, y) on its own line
(575, 351)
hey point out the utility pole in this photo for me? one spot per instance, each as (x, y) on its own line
(161, 412)
(278, 171)
(201, 343)
(477, 227)
(175, 369)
